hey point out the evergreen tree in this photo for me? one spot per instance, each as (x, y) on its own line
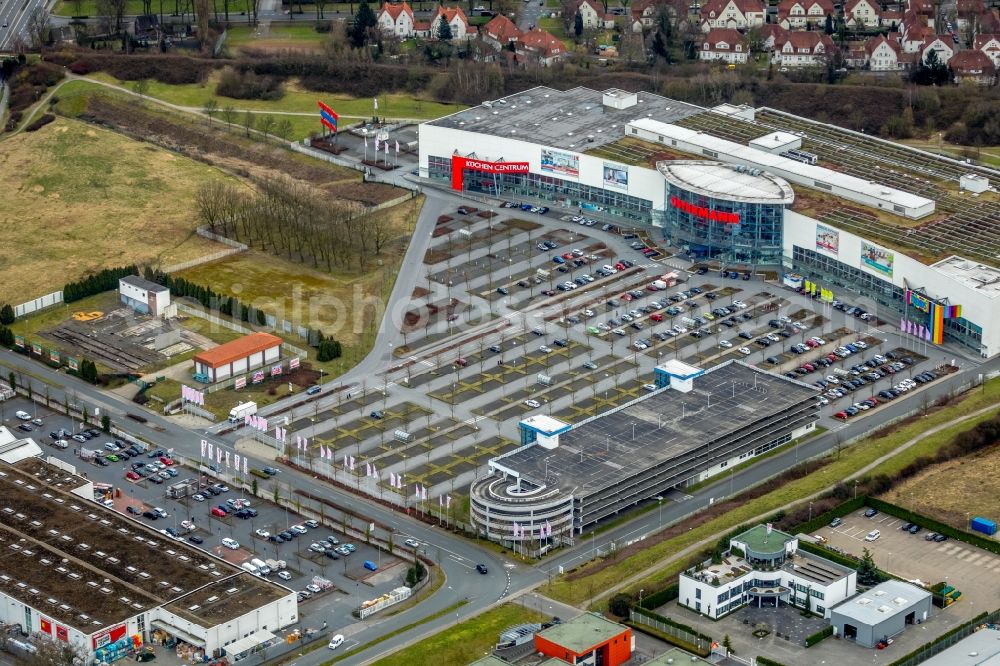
(363, 20)
(868, 573)
(6, 315)
(828, 28)
(578, 25)
(444, 30)
(6, 337)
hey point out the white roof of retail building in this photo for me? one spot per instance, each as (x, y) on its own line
(882, 602)
(725, 181)
(805, 174)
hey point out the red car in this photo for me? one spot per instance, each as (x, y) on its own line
(627, 298)
(840, 415)
(166, 461)
(656, 316)
(219, 513)
(620, 266)
(568, 256)
(132, 476)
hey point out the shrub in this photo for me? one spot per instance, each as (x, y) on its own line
(248, 85)
(105, 280)
(825, 632)
(39, 123)
(620, 604)
(764, 661)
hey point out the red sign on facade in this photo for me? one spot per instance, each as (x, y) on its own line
(703, 212)
(460, 164)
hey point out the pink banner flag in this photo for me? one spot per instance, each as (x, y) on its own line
(218, 456)
(236, 461)
(392, 479)
(399, 481)
(397, 146)
(347, 464)
(440, 500)
(245, 472)
(368, 469)
(210, 456)
(447, 501)
(548, 528)
(424, 494)
(227, 459)
(516, 530)
(203, 445)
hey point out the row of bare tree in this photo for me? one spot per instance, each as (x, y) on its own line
(287, 218)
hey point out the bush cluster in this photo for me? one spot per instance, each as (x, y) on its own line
(39, 123)
(825, 632)
(244, 84)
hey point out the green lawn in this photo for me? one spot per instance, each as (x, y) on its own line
(464, 642)
(302, 31)
(851, 459)
(89, 7)
(294, 101)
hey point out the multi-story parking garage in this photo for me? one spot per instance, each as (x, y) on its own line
(566, 478)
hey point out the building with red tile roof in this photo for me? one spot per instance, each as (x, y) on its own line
(733, 14)
(454, 17)
(797, 14)
(973, 67)
(239, 356)
(396, 18)
(539, 46)
(990, 45)
(862, 13)
(882, 54)
(802, 49)
(724, 44)
(500, 32)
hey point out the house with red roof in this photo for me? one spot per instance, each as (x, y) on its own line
(396, 18)
(939, 43)
(732, 14)
(455, 18)
(990, 45)
(771, 34)
(914, 31)
(724, 44)
(500, 32)
(862, 13)
(539, 46)
(798, 14)
(971, 66)
(803, 48)
(882, 55)
(891, 19)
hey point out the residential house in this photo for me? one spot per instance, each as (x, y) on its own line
(966, 14)
(990, 45)
(802, 49)
(798, 14)
(882, 55)
(771, 34)
(396, 19)
(891, 19)
(454, 17)
(644, 12)
(939, 43)
(924, 8)
(972, 66)
(539, 46)
(593, 15)
(914, 31)
(734, 14)
(862, 13)
(500, 32)
(855, 56)
(725, 44)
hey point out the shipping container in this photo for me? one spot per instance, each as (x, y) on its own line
(983, 525)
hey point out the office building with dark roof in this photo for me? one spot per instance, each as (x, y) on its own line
(566, 478)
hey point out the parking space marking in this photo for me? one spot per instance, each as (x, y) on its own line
(893, 523)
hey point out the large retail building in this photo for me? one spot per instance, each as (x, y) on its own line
(76, 572)
(915, 234)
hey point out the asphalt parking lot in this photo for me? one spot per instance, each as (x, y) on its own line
(352, 581)
(972, 570)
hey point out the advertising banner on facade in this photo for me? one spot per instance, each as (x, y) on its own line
(615, 176)
(877, 258)
(827, 239)
(459, 165)
(560, 164)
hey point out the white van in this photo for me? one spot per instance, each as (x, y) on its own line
(250, 568)
(24, 416)
(261, 566)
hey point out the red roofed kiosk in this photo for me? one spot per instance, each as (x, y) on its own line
(587, 639)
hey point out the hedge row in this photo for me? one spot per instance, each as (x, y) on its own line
(667, 638)
(826, 632)
(764, 661)
(913, 655)
(828, 554)
(931, 524)
(672, 623)
(664, 596)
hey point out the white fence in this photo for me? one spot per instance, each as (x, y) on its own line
(48, 300)
(389, 599)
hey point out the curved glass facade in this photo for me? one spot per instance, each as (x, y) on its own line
(704, 227)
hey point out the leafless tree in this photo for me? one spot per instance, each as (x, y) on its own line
(266, 125)
(49, 652)
(38, 27)
(229, 115)
(248, 122)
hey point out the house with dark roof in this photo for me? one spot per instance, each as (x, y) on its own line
(802, 49)
(724, 44)
(971, 66)
(734, 14)
(798, 14)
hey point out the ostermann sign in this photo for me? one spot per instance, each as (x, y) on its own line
(460, 164)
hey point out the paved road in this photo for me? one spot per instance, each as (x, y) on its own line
(529, 12)
(14, 16)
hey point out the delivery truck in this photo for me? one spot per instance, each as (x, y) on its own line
(241, 411)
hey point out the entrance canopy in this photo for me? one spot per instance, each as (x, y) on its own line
(180, 634)
(460, 164)
(245, 646)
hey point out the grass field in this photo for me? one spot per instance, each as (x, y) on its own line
(296, 100)
(465, 642)
(78, 198)
(954, 490)
(291, 35)
(851, 459)
(989, 155)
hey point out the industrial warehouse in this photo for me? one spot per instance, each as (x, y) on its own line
(696, 424)
(77, 572)
(749, 189)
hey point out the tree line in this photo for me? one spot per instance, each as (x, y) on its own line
(290, 219)
(105, 280)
